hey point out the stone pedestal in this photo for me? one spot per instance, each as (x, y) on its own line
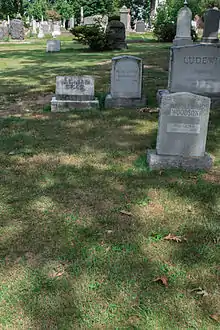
(74, 93)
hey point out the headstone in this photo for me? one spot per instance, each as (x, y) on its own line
(182, 133)
(195, 69)
(124, 11)
(72, 23)
(81, 16)
(211, 26)
(126, 83)
(34, 26)
(140, 26)
(56, 30)
(96, 19)
(17, 29)
(45, 27)
(115, 35)
(41, 32)
(183, 28)
(53, 46)
(74, 92)
(4, 31)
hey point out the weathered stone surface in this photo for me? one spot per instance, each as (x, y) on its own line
(182, 133)
(17, 29)
(4, 31)
(183, 30)
(183, 125)
(124, 18)
(53, 45)
(161, 162)
(195, 69)
(126, 83)
(96, 19)
(211, 26)
(74, 92)
(115, 34)
(140, 26)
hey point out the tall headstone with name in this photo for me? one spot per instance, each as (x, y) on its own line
(53, 46)
(41, 32)
(126, 83)
(183, 28)
(182, 133)
(140, 26)
(74, 92)
(115, 35)
(17, 29)
(211, 26)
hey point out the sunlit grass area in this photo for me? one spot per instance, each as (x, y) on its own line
(83, 220)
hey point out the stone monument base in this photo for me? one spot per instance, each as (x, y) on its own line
(182, 41)
(68, 105)
(210, 40)
(159, 162)
(121, 102)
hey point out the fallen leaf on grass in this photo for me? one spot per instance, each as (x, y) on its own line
(215, 317)
(175, 238)
(126, 213)
(162, 279)
(200, 292)
(55, 275)
(148, 110)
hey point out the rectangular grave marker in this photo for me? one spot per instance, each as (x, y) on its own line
(182, 133)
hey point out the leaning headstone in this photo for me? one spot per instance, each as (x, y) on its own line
(140, 26)
(53, 46)
(126, 83)
(74, 92)
(115, 35)
(211, 26)
(183, 28)
(17, 29)
(182, 133)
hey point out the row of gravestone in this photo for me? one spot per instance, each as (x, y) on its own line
(16, 30)
(183, 122)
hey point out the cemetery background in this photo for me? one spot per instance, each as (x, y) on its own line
(84, 220)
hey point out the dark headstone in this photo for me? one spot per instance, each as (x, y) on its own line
(17, 29)
(115, 34)
(211, 26)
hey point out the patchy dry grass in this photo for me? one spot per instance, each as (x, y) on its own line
(70, 259)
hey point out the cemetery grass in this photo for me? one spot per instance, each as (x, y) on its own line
(83, 220)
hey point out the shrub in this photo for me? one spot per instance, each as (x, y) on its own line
(93, 36)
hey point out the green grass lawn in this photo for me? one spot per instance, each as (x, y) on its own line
(83, 220)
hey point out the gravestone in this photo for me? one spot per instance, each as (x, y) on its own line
(115, 35)
(81, 16)
(41, 32)
(182, 133)
(72, 23)
(4, 31)
(211, 26)
(124, 11)
(183, 28)
(34, 26)
(126, 83)
(17, 29)
(45, 27)
(140, 26)
(56, 30)
(96, 19)
(53, 46)
(195, 69)
(74, 92)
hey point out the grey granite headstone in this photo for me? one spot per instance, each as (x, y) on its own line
(4, 31)
(53, 46)
(45, 27)
(126, 83)
(40, 32)
(74, 92)
(211, 26)
(183, 29)
(195, 69)
(140, 26)
(182, 133)
(124, 11)
(115, 35)
(56, 30)
(17, 29)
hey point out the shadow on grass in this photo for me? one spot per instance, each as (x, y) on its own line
(85, 263)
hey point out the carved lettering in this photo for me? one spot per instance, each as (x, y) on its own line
(183, 128)
(201, 60)
(185, 112)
